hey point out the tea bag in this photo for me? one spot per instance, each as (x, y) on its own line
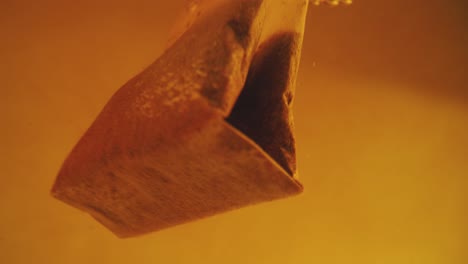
(205, 129)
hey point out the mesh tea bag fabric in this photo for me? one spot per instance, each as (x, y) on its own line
(205, 129)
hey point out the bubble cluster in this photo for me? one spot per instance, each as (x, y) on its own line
(332, 2)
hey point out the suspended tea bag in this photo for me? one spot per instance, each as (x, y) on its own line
(205, 129)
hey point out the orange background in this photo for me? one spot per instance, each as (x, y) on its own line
(382, 127)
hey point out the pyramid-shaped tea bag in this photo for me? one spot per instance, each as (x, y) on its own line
(205, 129)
